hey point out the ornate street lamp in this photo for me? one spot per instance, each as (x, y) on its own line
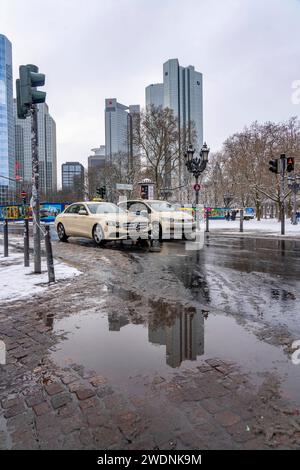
(294, 186)
(196, 165)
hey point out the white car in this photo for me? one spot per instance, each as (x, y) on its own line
(166, 220)
(101, 221)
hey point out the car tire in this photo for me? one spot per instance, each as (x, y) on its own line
(156, 231)
(61, 233)
(98, 235)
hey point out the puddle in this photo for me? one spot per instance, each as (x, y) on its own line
(121, 351)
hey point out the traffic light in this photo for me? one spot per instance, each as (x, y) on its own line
(24, 197)
(273, 166)
(290, 164)
(101, 191)
(26, 85)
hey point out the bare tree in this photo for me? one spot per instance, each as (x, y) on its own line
(157, 136)
(242, 167)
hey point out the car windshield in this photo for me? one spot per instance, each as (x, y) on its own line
(162, 206)
(104, 208)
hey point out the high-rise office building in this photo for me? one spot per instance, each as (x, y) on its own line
(119, 123)
(7, 139)
(180, 91)
(183, 93)
(47, 149)
(98, 159)
(73, 177)
(155, 95)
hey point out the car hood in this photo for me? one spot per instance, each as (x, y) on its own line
(122, 218)
(176, 215)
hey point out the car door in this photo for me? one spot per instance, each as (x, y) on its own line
(69, 219)
(83, 222)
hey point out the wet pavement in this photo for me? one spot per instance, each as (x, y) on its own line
(175, 349)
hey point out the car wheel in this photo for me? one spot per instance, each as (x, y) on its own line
(156, 231)
(98, 235)
(61, 233)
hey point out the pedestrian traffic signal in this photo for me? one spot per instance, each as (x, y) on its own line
(26, 85)
(273, 166)
(290, 164)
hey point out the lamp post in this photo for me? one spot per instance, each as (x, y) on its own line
(196, 165)
(294, 186)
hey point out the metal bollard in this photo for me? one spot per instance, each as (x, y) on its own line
(5, 233)
(26, 243)
(241, 220)
(49, 254)
(207, 222)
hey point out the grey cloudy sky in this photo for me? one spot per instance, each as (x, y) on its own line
(247, 50)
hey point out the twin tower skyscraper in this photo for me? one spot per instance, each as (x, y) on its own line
(181, 91)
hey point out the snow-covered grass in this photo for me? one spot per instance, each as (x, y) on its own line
(17, 282)
(268, 226)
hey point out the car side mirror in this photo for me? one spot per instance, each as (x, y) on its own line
(82, 212)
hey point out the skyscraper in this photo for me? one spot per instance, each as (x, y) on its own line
(98, 159)
(119, 122)
(47, 149)
(180, 91)
(7, 139)
(183, 94)
(73, 176)
(155, 95)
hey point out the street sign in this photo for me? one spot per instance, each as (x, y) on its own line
(126, 187)
(23, 194)
(197, 187)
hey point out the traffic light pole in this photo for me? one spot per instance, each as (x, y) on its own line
(35, 201)
(282, 189)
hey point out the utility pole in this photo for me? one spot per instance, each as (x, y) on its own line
(282, 196)
(27, 99)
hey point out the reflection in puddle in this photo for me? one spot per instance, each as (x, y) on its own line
(183, 339)
(120, 350)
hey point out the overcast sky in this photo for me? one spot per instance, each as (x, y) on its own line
(247, 50)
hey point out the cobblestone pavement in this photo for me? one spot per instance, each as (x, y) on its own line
(44, 406)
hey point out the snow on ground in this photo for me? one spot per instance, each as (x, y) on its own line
(271, 226)
(17, 282)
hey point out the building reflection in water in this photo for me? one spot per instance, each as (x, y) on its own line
(183, 338)
(116, 321)
(179, 329)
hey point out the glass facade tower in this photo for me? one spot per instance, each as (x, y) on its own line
(7, 139)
